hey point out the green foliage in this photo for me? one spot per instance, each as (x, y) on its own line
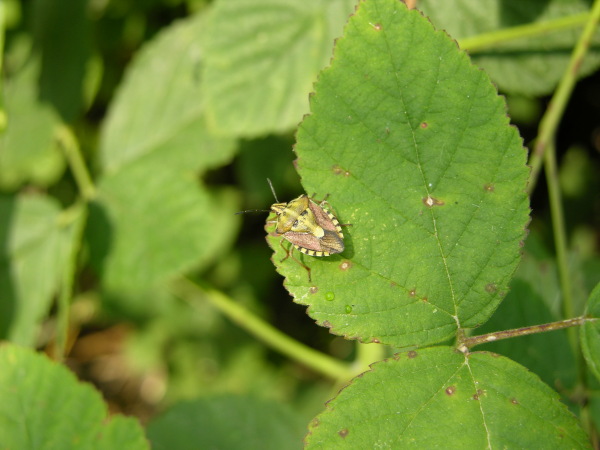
(444, 171)
(27, 156)
(590, 333)
(481, 400)
(226, 422)
(262, 58)
(527, 65)
(44, 406)
(131, 266)
(40, 239)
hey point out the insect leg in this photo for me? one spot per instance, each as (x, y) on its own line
(290, 253)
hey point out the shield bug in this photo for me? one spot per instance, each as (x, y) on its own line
(308, 226)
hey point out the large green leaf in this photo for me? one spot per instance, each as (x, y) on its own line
(159, 107)
(531, 66)
(414, 146)
(28, 151)
(262, 57)
(590, 333)
(152, 218)
(44, 406)
(36, 238)
(152, 222)
(227, 422)
(440, 398)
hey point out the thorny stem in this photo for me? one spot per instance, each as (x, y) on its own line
(470, 342)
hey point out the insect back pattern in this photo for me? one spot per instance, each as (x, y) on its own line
(309, 227)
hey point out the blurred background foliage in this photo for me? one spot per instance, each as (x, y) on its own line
(64, 64)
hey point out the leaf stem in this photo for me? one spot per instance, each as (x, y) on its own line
(75, 217)
(558, 227)
(472, 341)
(72, 150)
(2, 33)
(492, 39)
(320, 362)
(558, 103)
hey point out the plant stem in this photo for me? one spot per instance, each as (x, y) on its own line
(75, 217)
(263, 331)
(2, 32)
(558, 228)
(492, 337)
(76, 162)
(557, 105)
(492, 39)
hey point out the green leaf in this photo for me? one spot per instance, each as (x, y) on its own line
(152, 218)
(151, 223)
(531, 66)
(37, 239)
(590, 333)
(159, 107)
(226, 422)
(44, 406)
(262, 58)
(28, 152)
(440, 398)
(62, 35)
(413, 145)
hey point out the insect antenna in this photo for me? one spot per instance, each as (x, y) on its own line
(273, 190)
(251, 211)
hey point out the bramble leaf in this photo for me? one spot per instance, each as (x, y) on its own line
(413, 145)
(44, 406)
(441, 398)
(37, 238)
(153, 218)
(262, 58)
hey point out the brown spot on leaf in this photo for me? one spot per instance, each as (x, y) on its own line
(345, 265)
(343, 433)
(412, 354)
(376, 26)
(431, 201)
(375, 341)
(489, 187)
(450, 390)
(514, 401)
(424, 125)
(393, 284)
(491, 288)
(313, 289)
(412, 292)
(337, 170)
(425, 300)
(327, 324)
